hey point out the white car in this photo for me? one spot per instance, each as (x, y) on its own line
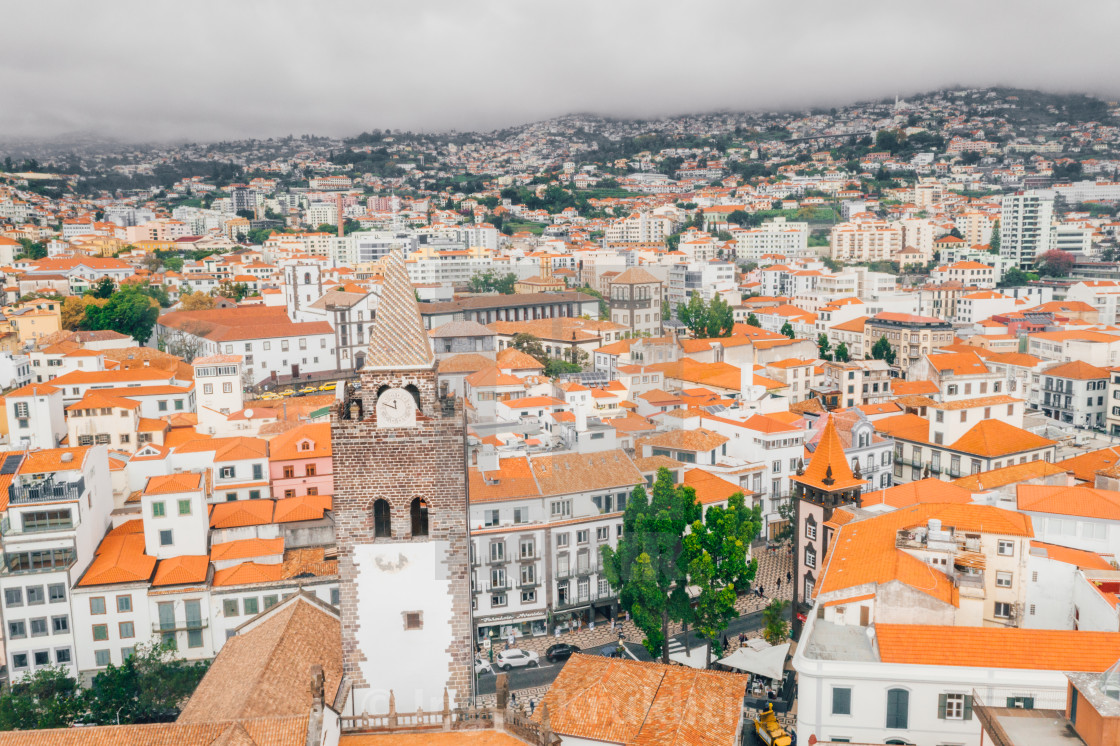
(481, 666)
(516, 658)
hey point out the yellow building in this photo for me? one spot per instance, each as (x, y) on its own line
(36, 319)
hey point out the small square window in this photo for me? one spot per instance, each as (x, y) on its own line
(35, 595)
(62, 655)
(60, 625)
(184, 507)
(56, 592)
(97, 605)
(19, 660)
(100, 632)
(124, 603)
(230, 607)
(413, 620)
(101, 658)
(13, 597)
(126, 630)
(158, 509)
(165, 538)
(126, 653)
(17, 630)
(42, 657)
(252, 606)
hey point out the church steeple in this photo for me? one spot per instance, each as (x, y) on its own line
(828, 469)
(397, 339)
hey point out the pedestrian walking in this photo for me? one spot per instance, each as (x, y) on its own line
(789, 577)
(779, 585)
(532, 706)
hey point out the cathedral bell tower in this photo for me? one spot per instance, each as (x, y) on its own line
(400, 508)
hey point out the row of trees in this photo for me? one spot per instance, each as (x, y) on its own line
(670, 544)
(149, 687)
(492, 282)
(824, 349)
(572, 360)
(707, 320)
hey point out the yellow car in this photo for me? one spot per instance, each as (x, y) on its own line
(270, 396)
(308, 390)
(288, 392)
(328, 387)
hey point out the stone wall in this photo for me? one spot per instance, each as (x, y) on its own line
(398, 465)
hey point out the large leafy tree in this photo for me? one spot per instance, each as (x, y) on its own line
(530, 345)
(694, 315)
(129, 311)
(103, 288)
(883, 351)
(787, 329)
(721, 318)
(649, 567)
(752, 320)
(149, 687)
(842, 354)
(48, 698)
(1054, 263)
(716, 552)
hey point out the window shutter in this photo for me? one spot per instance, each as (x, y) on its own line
(1010, 701)
(1028, 703)
(942, 700)
(968, 707)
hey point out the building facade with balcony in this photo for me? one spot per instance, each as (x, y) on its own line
(635, 302)
(911, 337)
(1075, 393)
(538, 525)
(59, 502)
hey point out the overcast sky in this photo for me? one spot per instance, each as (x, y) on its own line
(211, 69)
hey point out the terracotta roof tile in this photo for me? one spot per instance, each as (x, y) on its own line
(246, 548)
(188, 481)
(302, 508)
(995, 438)
(266, 669)
(990, 480)
(270, 731)
(1077, 557)
(565, 473)
(828, 469)
(241, 513)
(119, 559)
(998, 647)
(248, 573)
(709, 488)
(182, 570)
(314, 436)
(1083, 501)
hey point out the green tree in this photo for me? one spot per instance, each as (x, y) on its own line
(48, 698)
(31, 249)
(824, 346)
(555, 367)
(842, 354)
(720, 318)
(1015, 277)
(787, 329)
(716, 551)
(130, 311)
(149, 687)
(233, 290)
(694, 315)
(775, 629)
(103, 288)
(173, 263)
(647, 567)
(743, 218)
(752, 320)
(530, 345)
(883, 351)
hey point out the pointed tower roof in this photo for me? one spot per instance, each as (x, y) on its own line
(397, 339)
(828, 468)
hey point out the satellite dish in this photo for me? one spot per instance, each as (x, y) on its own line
(248, 413)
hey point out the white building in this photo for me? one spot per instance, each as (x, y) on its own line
(774, 236)
(1024, 226)
(36, 418)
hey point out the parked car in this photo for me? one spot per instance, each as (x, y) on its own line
(481, 666)
(328, 387)
(308, 390)
(516, 658)
(288, 392)
(561, 652)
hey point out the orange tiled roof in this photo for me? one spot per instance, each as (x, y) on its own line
(930, 490)
(120, 559)
(828, 469)
(990, 480)
(187, 481)
(643, 704)
(513, 479)
(247, 573)
(245, 548)
(286, 446)
(1077, 370)
(998, 647)
(241, 513)
(1086, 465)
(1077, 557)
(182, 570)
(1083, 501)
(53, 459)
(302, 508)
(709, 488)
(994, 438)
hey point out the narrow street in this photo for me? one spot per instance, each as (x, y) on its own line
(530, 684)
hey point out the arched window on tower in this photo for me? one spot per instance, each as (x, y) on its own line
(307, 278)
(382, 521)
(419, 512)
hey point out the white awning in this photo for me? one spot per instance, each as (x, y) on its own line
(768, 662)
(697, 657)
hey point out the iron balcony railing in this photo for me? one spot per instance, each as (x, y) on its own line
(47, 490)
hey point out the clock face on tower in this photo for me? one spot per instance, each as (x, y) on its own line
(396, 408)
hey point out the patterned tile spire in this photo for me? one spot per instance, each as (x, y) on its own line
(397, 339)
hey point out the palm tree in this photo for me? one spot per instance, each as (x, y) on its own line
(774, 626)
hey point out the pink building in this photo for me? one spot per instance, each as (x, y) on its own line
(299, 461)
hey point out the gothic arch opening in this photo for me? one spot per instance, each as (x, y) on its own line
(382, 519)
(418, 511)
